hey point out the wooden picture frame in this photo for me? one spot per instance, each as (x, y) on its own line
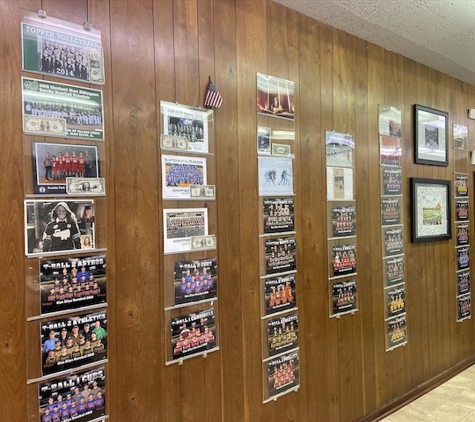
(431, 136)
(430, 210)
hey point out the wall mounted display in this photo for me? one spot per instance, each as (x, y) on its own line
(263, 140)
(275, 97)
(54, 163)
(343, 221)
(393, 241)
(280, 254)
(430, 210)
(53, 227)
(463, 257)
(464, 307)
(275, 176)
(431, 136)
(461, 184)
(71, 283)
(80, 109)
(278, 215)
(389, 121)
(79, 396)
(279, 294)
(282, 334)
(394, 270)
(179, 173)
(392, 181)
(61, 49)
(283, 374)
(344, 297)
(463, 282)
(462, 233)
(339, 149)
(461, 209)
(391, 211)
(195, 280)
(193, 333)
(73, 341)
(340, 184)
(395, 301)
(343, 259)
(460, 134)
(187, 123)
(390, 151)
(180, 225)
(396, 332)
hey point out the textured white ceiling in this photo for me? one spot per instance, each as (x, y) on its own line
(437, 33)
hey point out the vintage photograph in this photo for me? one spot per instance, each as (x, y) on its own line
(263, 140)
(78, 396)
(283, 373)
(180, 225)
(343, 219)
(394, 270)
(58, 227)
(390, 151)
(279, 294)
(343, 260)
(339, 149)
(464, 307)
(193, 334)
(188, 123)
(460, 134)
(393, 241)
(278, 215)
(54, 163)
(344, 297)
(179, 173)
(392, 181)
(73, 282)
(61, 49)
(390, 121)
(275, 176)
(275, 97)
(73, 341)
(391, 211)
(195, 280)
(395, 301)
(431, 137)
(80, 107)
(282, 334)
(463, 282)
(340, 184)
(430, 209)
(280, 254)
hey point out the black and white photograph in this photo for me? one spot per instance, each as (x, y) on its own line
(279, 293)
(275, 176)
(195, 280)
(280, 254)
(343, 259)
(181, 172)
(460, 133)
(283, 373)
(344, 297)
(275, 97)
(180, 225)
(58, 227)
(282, 334)
(343, 220)
(54, 163)
(72, 283)
(193, 334)
(78, 396)
(61, 49)
(278, 215)
(80, 107)
(73, 341)
(188, 123)
(394, 270)
(339, 149)
(340, 184)
(463, 282)
(263, 140)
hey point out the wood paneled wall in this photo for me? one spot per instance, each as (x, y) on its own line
(165, 50)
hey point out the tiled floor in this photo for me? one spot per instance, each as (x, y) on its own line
(453, 401)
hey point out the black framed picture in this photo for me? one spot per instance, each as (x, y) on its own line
(431, 136)
(430, 210)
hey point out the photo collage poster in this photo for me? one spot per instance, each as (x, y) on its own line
(390, 130)
(278, 246)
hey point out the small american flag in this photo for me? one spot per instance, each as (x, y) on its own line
(213, 97)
